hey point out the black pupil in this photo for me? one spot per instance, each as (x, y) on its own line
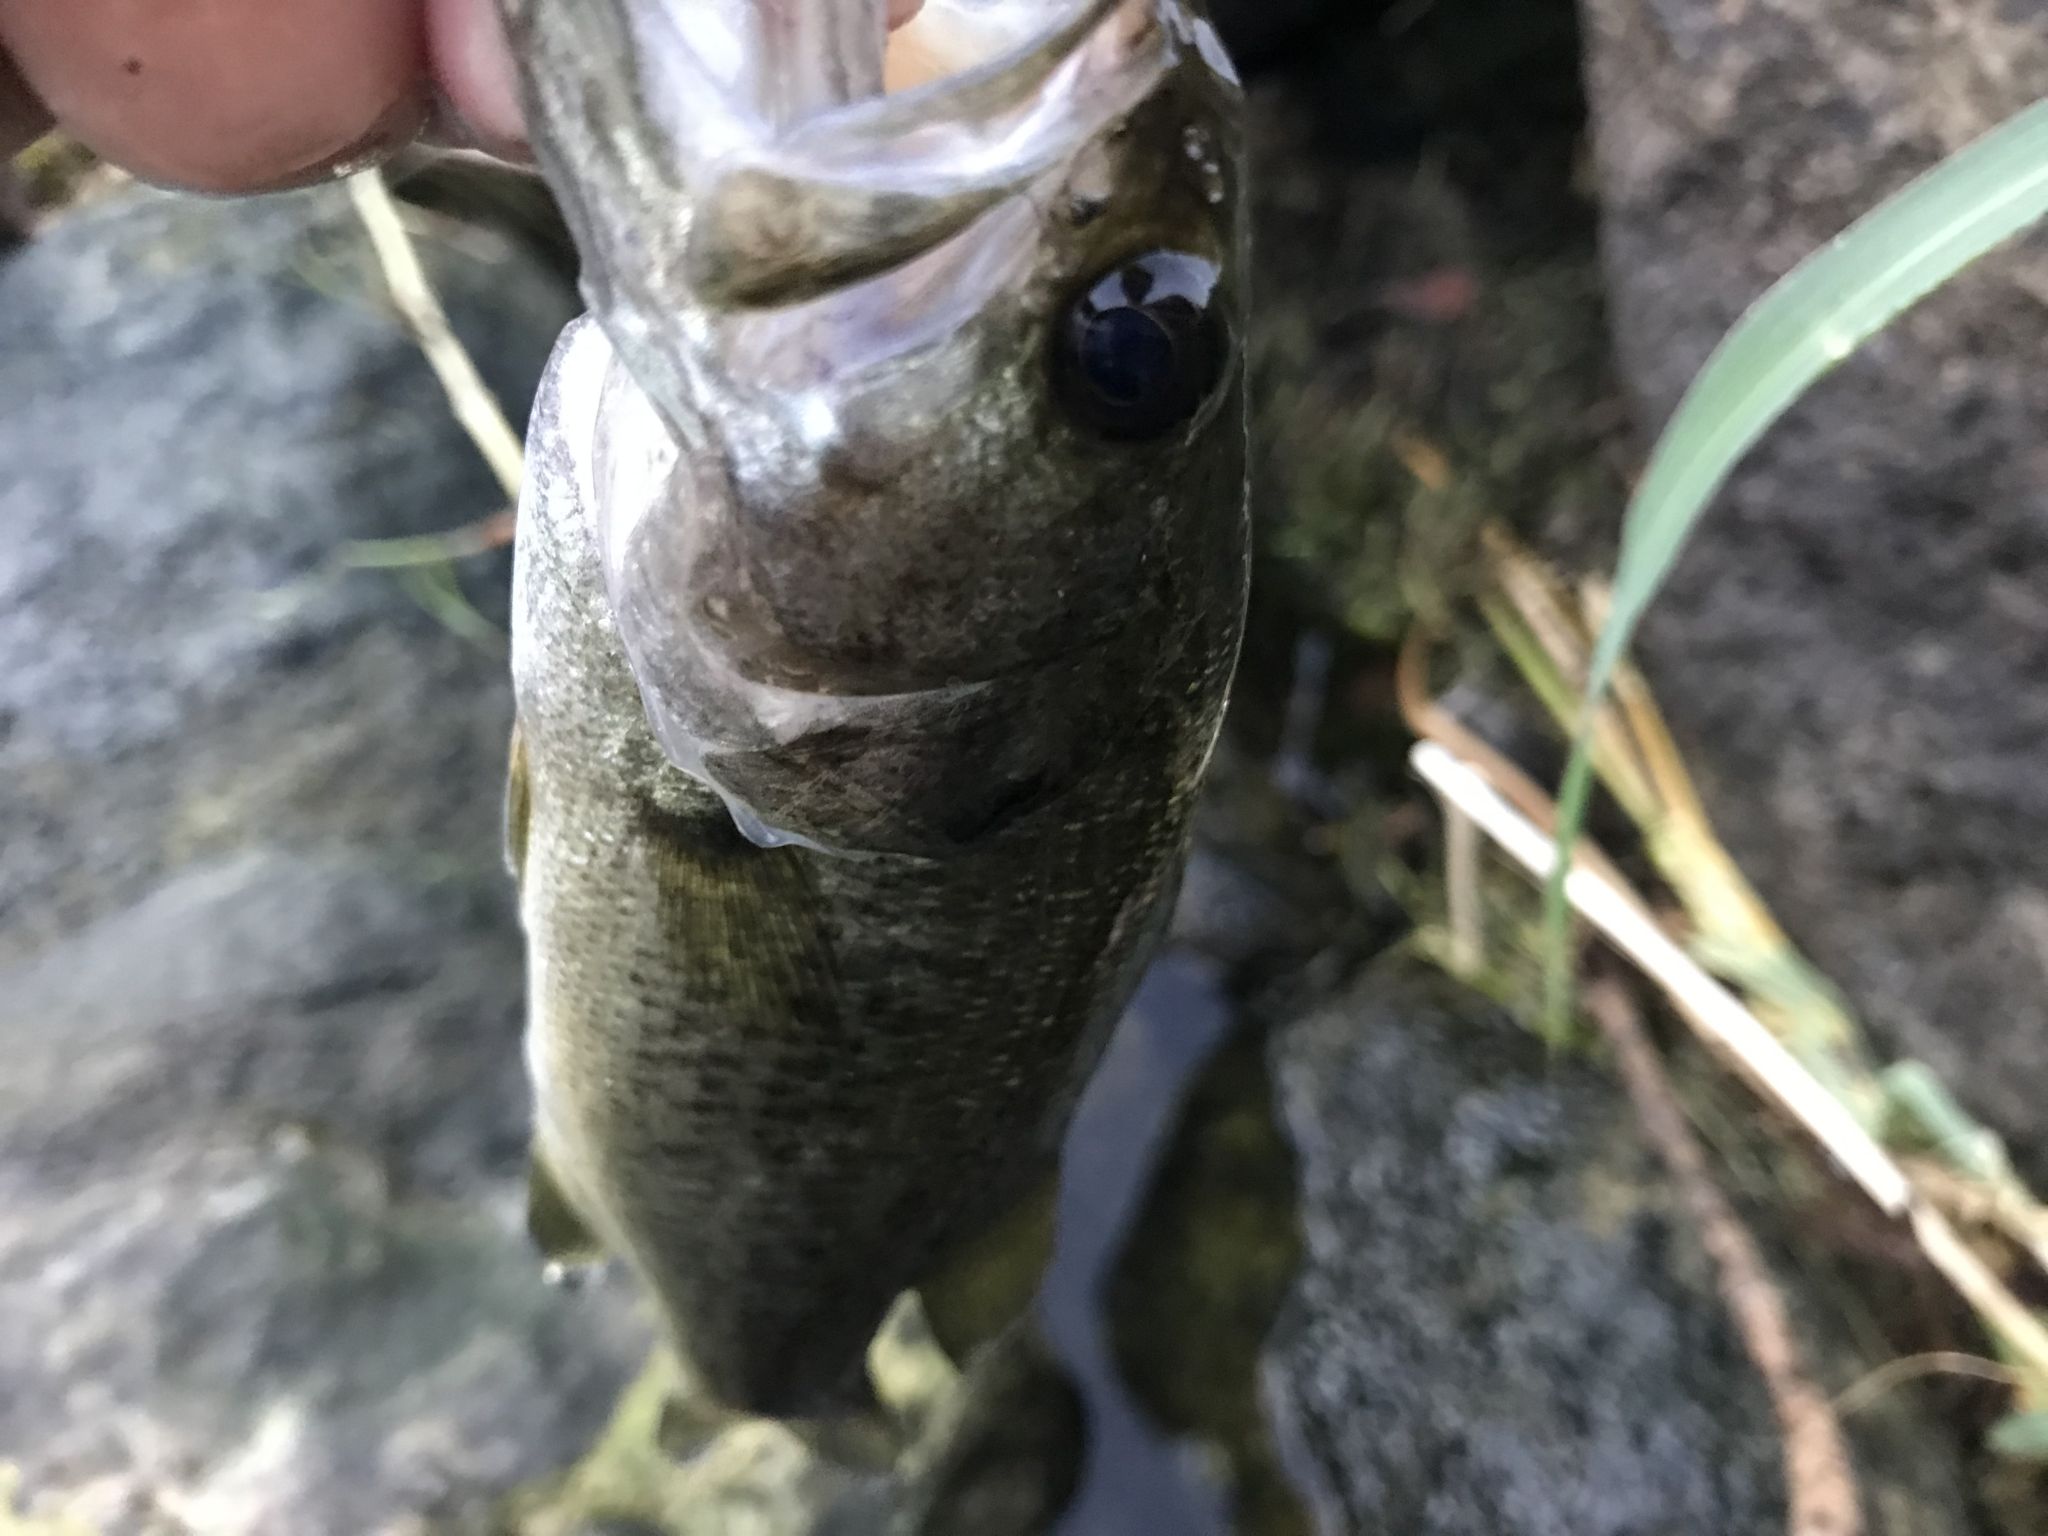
(1126, 355)
(1143, 348)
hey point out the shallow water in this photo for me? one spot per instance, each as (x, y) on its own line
(1135, 1478)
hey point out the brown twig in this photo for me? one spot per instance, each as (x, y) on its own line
(2008, 1209)
(1820, 1481)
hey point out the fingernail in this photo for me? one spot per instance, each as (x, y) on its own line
(447, 128)
(397, 127)
(477, 81)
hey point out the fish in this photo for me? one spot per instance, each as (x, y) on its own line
(879, 580)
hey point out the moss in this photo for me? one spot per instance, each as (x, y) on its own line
(996, 1451)
(755, 1477)
(750, 1475)
(58, 172)
(623, 1476)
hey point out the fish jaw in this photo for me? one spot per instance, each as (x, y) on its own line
(723, 157)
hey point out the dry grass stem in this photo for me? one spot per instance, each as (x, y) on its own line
(1461, 881)
(2002, 1312)
(1543, 607)
(1638, 759)
(2002, 1208)
(1431, 721)
(1620, 915)
(1820, 1481)
(1866, 1391)
(1732, 1029)
(420, 308)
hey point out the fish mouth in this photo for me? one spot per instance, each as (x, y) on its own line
(724, 160)
(851, 181)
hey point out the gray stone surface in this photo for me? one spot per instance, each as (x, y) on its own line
(1852, 651)
(1503, 1326)
(261, 1118)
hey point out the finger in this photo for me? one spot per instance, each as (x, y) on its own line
(22, 118)
(225, 95)
(473, 67)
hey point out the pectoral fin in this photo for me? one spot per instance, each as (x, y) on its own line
(988, 1282)
(518, 805)
(557, 1230)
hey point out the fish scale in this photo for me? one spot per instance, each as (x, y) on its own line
(789, 1076)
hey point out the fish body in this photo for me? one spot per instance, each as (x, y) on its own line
(879, 581)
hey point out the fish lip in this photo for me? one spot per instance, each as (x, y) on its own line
(840, 260)
(636, 132)
(866, 186)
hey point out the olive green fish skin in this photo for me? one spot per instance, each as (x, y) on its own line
(784, 1084)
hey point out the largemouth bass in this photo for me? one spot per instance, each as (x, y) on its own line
(879, 581)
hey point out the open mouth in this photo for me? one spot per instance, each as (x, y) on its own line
(772, 122)
(839, 178)
(724, 161)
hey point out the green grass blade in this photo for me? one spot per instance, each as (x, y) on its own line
(2022, 1436)
(1811, 320)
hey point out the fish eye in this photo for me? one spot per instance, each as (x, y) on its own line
(1143, 347)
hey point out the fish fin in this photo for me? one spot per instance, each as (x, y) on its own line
(859, 1441)
(988, 1281)
(1016, 1422)
(868, 1441)
(687, 1426)
(518, 804)
(552, 1221)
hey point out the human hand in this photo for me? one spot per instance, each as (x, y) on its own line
(254, 95)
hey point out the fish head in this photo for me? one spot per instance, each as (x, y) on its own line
(923, 436)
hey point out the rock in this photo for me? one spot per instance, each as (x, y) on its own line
(262, 1120)
(1852, 650)
(1500, 1323)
